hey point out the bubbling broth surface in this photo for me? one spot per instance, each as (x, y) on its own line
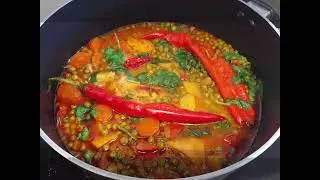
(156, 100)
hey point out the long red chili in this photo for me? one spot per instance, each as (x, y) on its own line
(160, 111)
(221, 72)
(136, 62)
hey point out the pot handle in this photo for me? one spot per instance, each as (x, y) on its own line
(265, 11)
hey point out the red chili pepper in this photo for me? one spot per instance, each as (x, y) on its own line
(160, 111)
(158, 34)
(136, 62)
(233, 139)
(221, 72)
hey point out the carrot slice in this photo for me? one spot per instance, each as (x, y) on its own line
(104, 113)
(96, 44)
(148, 127)
(80, 59)
(69, 95)
(97, 60)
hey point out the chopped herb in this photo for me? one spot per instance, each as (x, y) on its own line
(229, 56)
(128, 96)
(115, 58)
(134, 119)
(162, 43)
(93, 112)
(85, 113)
(246, 77)
(88, 155)
(93, 77)
(187, 61)
(240, 103)
(81, 111)
(84, 134)
(162, 78)
(223, 124)
(197, 132)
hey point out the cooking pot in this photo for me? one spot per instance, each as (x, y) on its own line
(251, 33)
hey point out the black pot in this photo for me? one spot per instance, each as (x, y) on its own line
(251, 34)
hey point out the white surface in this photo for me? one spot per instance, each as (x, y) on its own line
(48, 6)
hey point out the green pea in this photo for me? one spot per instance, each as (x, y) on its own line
(124, 140)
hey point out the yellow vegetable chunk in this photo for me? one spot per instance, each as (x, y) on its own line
(215, 161)
(188, 102)
(102, 140)
(193, 147)
(192, 88)
(105, 77)
(140, 45)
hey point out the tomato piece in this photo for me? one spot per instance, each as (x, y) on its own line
(69, 95)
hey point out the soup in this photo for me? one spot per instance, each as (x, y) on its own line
(156, 100)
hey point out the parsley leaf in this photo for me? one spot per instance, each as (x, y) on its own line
(85, 113)
(93, 112)
(81, 111)
(187, 61)
(240, 103)
(128, 96)
(84, 134)
(88, 155)
(93, 77)
(162, 78)
(229, 56)
(134, 119)
(223, 124)
(197, 132)
(115, 58)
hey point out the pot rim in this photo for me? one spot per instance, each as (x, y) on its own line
(108, 174)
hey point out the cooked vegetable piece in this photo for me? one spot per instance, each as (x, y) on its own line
(188, 102)
(69, 95)
(102, 140)
(147, 127)
(191, 146)
(104, 113)
(80, 59)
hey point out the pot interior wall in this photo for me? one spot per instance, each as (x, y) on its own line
(73, 25)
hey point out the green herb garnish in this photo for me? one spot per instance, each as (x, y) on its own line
(162, 78)
(187, 61)
(85, 113)
(246, 77)
(84, 134)
(162, 43)
(93, 77)
(134, 119)
(88, 155)
(128, 96)
(223, 124)
(197, 132)
(115, 58)
(240, 103)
